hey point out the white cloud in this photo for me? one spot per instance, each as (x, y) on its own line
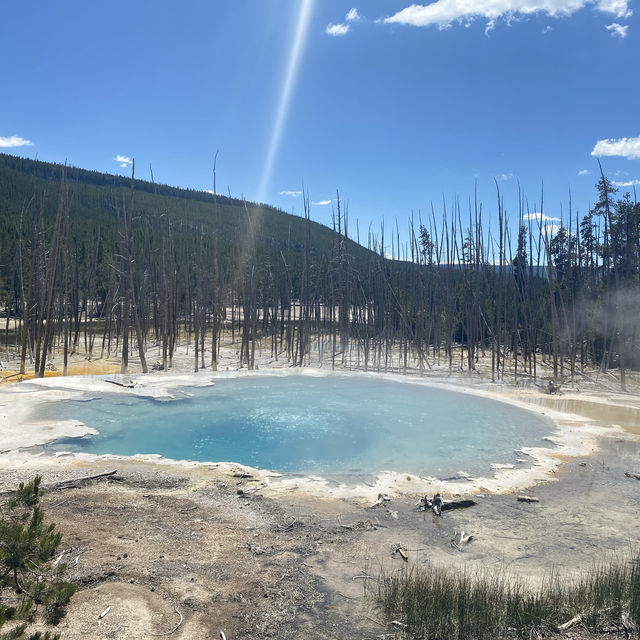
(337, 29)
(547, 29)
(627, 183)
(443, 13)
(540, 217)
(341, 29)
(548, 226)
(352, 15)
(618, 30)
(504, 176)
(584, 172)
(322, 203)
(14, 141)
(628, 148)
(292, 194)
(617, 8)
(123, 161)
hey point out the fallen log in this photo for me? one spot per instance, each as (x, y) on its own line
(528, 499)
(437, 504)
(68, 484)
(629, 474)
(126, 385)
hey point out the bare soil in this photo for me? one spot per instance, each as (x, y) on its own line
(188, 553)
(177, 552)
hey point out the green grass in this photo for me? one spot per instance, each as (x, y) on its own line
(466, 605)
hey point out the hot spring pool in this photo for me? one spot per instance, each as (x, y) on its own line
(332, 424)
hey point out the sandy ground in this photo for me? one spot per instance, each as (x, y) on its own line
(196, 545)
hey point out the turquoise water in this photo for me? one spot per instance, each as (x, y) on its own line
(332, 424)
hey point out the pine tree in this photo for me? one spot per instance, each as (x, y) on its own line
(29, 579)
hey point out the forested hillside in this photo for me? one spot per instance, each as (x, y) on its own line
(102, 264)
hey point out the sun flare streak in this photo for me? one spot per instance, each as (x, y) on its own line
(295, 56)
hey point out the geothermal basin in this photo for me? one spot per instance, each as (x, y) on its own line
(311, 424)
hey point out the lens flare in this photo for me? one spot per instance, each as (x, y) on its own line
(293, 66)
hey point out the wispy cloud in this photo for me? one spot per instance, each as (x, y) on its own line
(504, 176)
(618, 30)
(442, 13)
(626, 183)
(584, 172)
(547, 29)
(352, 15)
(628, 148)
(292, 194)
(14, 141)
(123, 161)
(342, 28)
(322, 203)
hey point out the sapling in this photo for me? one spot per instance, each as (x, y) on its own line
(31, 578)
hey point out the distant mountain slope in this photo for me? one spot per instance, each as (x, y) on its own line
(95, 198)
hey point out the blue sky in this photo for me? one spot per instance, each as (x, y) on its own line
(396, 105)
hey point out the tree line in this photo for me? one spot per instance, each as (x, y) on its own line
(115, 269)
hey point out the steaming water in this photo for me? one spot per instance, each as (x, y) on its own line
(330, 424)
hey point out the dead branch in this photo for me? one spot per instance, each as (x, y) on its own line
(528, 499)
(104, 613)
(401, 551)
(459, 538)
(381, 500)
(437, 504)
(168, 633)
(570, 623)
(126, 385)
(68, 484)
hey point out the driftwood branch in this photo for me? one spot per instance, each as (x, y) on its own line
(528, 499)
(629, 474)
